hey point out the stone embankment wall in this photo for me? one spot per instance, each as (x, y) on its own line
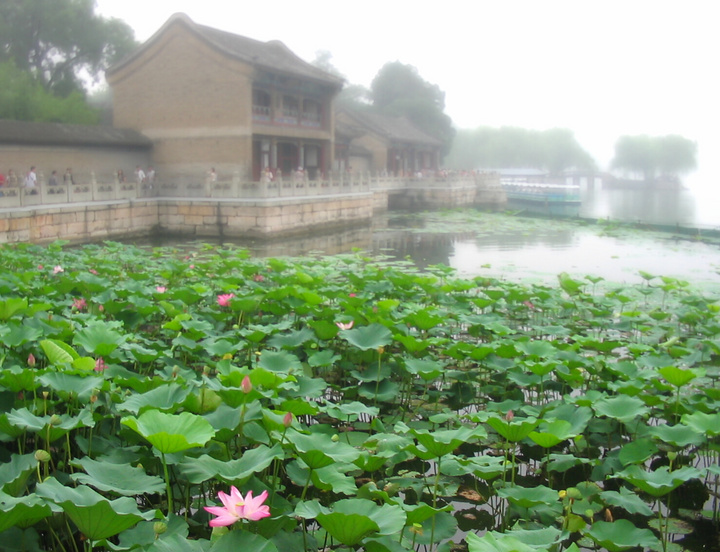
(93, 212)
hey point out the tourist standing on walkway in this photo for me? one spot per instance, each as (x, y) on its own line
(31, 180)
(53, 181)
(68, 179)
(139, 175)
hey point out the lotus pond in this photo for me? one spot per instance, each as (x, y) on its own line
(369, 405)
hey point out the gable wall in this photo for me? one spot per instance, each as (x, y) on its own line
(194, 102)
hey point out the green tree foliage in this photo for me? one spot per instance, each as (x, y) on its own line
(24, 99)
(652, 156)
(554, 150)
(398, 90)
(61, 43)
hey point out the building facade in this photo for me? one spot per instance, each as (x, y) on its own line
(207, 98)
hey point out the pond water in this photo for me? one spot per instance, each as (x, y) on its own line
(519, 245)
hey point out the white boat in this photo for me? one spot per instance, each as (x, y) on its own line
(541, 192)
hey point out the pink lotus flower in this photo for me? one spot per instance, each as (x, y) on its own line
(93, 271)
(343, 326)
(236, 507)
(246, 385)
(259, 278)
(40, 267)
(58, 269)
(161, 289)
(79, 303)
(224, 300)
(100, 365)
(31, 360)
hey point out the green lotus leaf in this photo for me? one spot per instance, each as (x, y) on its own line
(677, 376)
(67, 385)
(496, 542)
(58, 352)
(280, 362)
(165, 397)
(515, 430)
(348, 529)
(537, 349)
(23, 511)
(424, 320)
(234, 541)
(425, 368)
(621, 535)
(41, 424)
(171, 432)
(364, 338)
(636, 452)
(621, 407)
(389, 518)
(12, 306)
(528, 497)
(206, 468)
(553, 433)
(439, 443)
(627, 500)
(15, 334)
(95, 516)
(99, 338)
(319, 450)
(658, 482)
(387, 391)
(351, 410)
(291, 340)
(122, 479)
(701, 422)
(14, 474)
(679, 435)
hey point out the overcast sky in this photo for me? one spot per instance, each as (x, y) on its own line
(602, 68)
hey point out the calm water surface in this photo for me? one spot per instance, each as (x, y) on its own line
(535, 248)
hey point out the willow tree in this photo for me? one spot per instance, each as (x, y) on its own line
(61, 43)
(653, 156)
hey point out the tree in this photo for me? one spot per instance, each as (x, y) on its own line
(61, 43)
(667, 156)
(399, 90)
(554, 150)
(24, 99)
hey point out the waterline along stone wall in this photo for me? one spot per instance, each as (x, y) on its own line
(231, 208)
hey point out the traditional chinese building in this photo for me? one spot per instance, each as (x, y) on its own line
(209, 98)
(381, 143)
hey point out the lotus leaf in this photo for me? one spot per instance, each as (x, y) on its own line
(373, 336)
(121, 479)
(95, 516)
(621, 535)
(171, 432)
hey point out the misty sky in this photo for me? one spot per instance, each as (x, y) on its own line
(600, 68)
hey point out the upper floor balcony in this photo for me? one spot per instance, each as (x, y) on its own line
(288, 110)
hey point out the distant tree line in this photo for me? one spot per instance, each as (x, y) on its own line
(655, 157)
(555, 150)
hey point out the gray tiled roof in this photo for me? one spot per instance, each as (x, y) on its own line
(398, 129)
(273, 55)
(59, 134)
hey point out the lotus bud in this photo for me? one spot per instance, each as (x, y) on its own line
(160, 527)
(246, 385)
(206, 370)
(608, 515)
(175, 371)
(42, 456)
(31, 360)
(288, 419)
(335, 438)
(509, 416)
(55, 420)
